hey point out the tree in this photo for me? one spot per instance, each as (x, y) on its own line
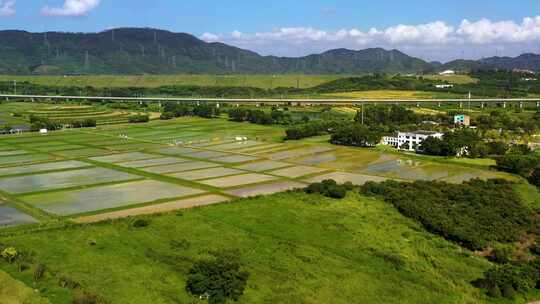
(355, 135)
(432, 146)
(219, 278)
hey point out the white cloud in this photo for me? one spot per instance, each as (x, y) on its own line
(71, 8)
(485, 31)
(478, 38)
(7, 8)
(209, 37)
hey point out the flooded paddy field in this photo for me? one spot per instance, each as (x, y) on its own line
(235, 159)
(10, 216)
(64, 179)
(266, 189)
(24, 159)
(152, 162)
(264, 165)
(124, 157)
(107, 197)
(180, 167)
(207, 173)
(238, 180)
(297, 171)
(182, 163)
(42, 167)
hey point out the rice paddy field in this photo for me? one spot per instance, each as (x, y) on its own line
(149, 81)
(67, 196)
(17, 114)
(393, 94)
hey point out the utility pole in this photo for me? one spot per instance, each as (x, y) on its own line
(362, 113)
(469, 103)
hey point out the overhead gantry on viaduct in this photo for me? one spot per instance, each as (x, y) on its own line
(503, 102)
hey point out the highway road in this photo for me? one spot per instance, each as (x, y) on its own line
(269, 100)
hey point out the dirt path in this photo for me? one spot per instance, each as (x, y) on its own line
(160, 208)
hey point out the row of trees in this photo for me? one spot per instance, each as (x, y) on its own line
(260, 116)
(502, 120)
(38, 122)
(309, 129)
(462, 142)
(171, 110)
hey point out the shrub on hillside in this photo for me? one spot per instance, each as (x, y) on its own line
(507, 280)
(474, 214)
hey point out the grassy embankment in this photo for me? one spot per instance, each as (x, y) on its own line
(15, 292)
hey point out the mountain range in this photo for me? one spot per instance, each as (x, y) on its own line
(153, 51)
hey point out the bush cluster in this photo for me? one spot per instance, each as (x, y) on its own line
(219, 278)
(329, 188)
(139, 118)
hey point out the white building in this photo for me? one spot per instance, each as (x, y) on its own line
(447, 73)
(410, 141)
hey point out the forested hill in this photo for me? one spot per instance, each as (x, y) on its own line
(151, 51)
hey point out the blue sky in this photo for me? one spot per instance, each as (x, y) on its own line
(429, 29)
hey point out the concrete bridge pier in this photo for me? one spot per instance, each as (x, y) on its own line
(439, 104)
(521, 104)
(504, 105)
(460, 104)
(481, 105)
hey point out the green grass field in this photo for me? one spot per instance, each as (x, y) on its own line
(298, 249)
(259, 81)
(393, 94)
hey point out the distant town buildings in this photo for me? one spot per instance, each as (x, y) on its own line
(523, 71)
(462, 120)
(410, 141)
(447, 73)
(444, 86)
